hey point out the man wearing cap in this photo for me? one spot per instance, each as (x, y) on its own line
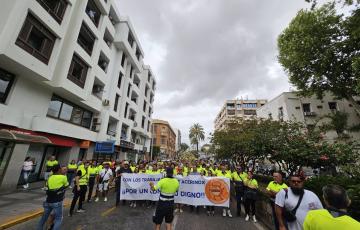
(168, 186)
(104, 179)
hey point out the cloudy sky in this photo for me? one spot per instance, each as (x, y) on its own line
(206, 51)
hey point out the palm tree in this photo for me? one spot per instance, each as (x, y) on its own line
(196, 134)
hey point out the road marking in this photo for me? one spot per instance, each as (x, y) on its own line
(174, 222)
(107, 212)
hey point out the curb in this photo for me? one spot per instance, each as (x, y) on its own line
(27, 216)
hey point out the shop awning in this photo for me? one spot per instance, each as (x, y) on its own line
(22, 137)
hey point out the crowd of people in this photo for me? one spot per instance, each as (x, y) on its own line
(294, 208)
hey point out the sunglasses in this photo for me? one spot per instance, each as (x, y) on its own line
(296, 181)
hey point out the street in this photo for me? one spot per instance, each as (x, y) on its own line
(103, 215)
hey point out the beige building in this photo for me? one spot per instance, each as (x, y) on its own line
(237, 108)
(164, 137)
(310, 111)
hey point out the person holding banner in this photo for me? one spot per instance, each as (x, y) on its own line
(250, 196)
(224, 173)
(210, 210)
(168, 187)
(239, 188)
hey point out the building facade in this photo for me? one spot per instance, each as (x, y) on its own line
(178, 140)
(72, 84)
(245, 109)
(164, 137)
(311, 111)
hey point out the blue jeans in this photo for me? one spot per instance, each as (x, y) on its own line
(57, 209)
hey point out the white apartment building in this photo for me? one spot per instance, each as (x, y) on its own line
(309, 110)
(72, 84)
(238, 108)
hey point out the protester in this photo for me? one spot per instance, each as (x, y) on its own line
(294, 203)
(165, 209)
(104, 179)
(92, 174)
(250, 196)
(239, 188)
(124, 169)
(335, 215)
(71, 170)
(272, 189)
(49, 164)
(26, 171)
(81, 181)
(224, 173)
(210, 209)
(55, 192)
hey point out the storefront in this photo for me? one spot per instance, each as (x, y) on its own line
(17, 144)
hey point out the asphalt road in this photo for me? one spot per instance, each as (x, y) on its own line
(104, 215)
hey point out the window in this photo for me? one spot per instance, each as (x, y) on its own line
(67, 111)
(103, 62)
(306, 108)
(281, 113)
(6, 81)
(78, 71)
(319, 106)
(148, 126)
(93, 12)
(119, 80)
(123, 58)
(144, 107)
(143, 122)
(56, 8)
(149, 77)
(249, 105)
(249, 112)
(35, 39)
(131, 39)
(126, 109)
(138, 54)
(108, 39)
(116, 102)
(128, 91)
(163, 141)
(131, 71)
(98, 89)
(332, 105)
(86, 39)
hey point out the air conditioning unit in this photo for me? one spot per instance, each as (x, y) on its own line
(106, 102)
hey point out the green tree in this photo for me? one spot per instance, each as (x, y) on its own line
(319, 50)
(196, 134)
(183, 147)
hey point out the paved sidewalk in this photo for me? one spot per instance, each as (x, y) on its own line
(23, 204)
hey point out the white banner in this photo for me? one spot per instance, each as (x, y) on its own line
(193, 190)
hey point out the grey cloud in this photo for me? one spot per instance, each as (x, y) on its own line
(215, 49)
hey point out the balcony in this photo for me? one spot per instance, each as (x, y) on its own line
(86, 39)
(55, 8)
